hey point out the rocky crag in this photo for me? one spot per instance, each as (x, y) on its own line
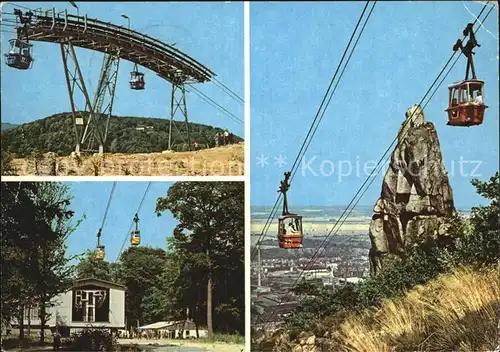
(416, 198)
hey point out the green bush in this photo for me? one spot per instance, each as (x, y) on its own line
(93, 339)
(7, 169)
(229, 338)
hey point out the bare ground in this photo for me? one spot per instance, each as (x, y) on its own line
(222, 161)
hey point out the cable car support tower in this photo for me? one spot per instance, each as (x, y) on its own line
(91, 119)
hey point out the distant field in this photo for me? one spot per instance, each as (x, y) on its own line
(314, 229)
(317, 221)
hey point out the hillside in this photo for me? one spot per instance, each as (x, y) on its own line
(126, 134)
(456, 311)
(221, 161)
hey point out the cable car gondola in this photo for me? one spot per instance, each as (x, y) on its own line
(100, 252)
(290, 234)
(135, 236)
(19, 55)
(465, 102)
(137, 79)
(100, 249)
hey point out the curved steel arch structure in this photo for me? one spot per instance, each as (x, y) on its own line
(116, 42)
(167, 61)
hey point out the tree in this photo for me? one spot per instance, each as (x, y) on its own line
(90, 267)
(140, 271)
(209, 242)
(7, 169)
(35, 223)
(481, 245)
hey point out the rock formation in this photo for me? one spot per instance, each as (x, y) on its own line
(416, 197)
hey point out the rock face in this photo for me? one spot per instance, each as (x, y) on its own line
(416, 196)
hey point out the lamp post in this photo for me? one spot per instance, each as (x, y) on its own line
(128, 20)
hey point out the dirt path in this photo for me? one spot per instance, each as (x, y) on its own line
(183, 346)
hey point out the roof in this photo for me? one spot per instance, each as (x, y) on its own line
(95, 281)
(157, 325)
(459, 83)
(166, 324)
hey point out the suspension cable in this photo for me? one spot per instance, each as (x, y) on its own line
(326, 98)
(216, 105)
(132, 224)
(224, 88)
(107, 205)
(99, 232)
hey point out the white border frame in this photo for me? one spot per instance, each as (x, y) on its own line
(246, 55)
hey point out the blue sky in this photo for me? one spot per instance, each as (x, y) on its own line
(295, 48)
(212, 33)
(90, 198)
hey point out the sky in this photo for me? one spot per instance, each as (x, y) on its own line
(295, 48)
(212, 33)
(89, 204)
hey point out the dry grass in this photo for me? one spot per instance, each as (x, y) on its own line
(223, 161)
(457, 311)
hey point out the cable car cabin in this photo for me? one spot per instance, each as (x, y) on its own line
(466, 106)
(137, 80)
(19, 55)
(135, 239)
(99, 253)
(290, 233)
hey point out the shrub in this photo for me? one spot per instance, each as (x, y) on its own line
(93, 339)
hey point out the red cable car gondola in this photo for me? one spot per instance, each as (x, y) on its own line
(290, 234)
(465, 102)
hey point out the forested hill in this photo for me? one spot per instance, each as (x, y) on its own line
(126, 134)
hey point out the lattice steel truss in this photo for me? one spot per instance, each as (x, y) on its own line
(103, 102)
(90, 123)
(178, 108)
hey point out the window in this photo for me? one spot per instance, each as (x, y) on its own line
(298, 226)
(454, 97)
(31, 313)
(475, 90)
(90, 304)
(463, 95)
(89, 317)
